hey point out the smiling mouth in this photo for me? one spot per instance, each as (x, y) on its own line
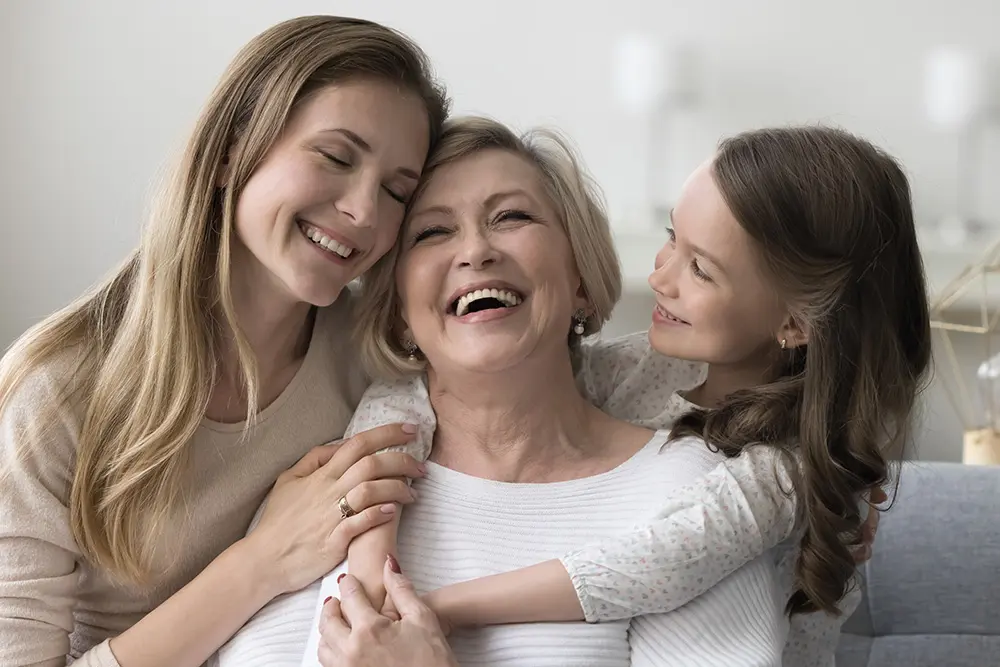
(668, 316)
(320, 239)
(485, 299)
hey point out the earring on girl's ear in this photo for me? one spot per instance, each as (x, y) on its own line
(411, 349)
(580, 322)
(784, 343)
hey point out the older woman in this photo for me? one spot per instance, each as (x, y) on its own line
(524, 466)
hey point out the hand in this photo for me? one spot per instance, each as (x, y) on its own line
(863, 552)
(353, 634)
(301, 535)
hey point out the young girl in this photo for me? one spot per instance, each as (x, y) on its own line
(792, 271)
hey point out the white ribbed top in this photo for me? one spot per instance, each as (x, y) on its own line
(464, 527)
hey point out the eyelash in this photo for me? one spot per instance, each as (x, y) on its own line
(343, 164)
(509, 214)
(695, 269)
(429, 232)
(513, 214)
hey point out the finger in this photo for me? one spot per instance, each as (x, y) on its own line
(332, 626)
(379, 492)
(314, 459)
(347, 529)
(399, 589)
(362, 444)
(355, 607)
(878, 496)
(381, 466)
(389, 609)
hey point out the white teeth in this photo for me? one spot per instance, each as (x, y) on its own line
(325, 242)
(506, 297)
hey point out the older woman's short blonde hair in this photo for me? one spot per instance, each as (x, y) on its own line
(572, 193)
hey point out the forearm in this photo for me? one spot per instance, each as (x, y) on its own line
(536, 594)
(191, 625)
(366, 557)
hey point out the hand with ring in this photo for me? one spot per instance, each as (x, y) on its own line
(333, 494)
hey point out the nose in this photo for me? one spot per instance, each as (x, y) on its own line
(476, 252)
(663, 279)
(359, 201)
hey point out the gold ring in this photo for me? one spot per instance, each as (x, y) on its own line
(346, 511)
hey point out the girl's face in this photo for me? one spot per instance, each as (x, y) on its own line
(714, 301)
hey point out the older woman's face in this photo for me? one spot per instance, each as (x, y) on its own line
(486, 276)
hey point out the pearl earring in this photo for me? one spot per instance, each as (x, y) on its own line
(784, 343)
(580, 319)
(412, 349)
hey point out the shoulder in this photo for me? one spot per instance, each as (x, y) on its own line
(690, 453)
(632, 354)
(40, 423)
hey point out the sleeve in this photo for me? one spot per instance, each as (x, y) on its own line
(813, 637)
(397, 402)
(629, 380)
(703, 532)
(740, 622)
(39, 559)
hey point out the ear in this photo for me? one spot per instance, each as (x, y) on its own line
(794, 332)
(581, 300)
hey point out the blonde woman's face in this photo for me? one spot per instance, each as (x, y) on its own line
(328, 199)
(486, 276)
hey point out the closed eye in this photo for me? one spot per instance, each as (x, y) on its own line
(671, 235)
(513, 215)
(335, 160)
(402, 199)
(428, 233)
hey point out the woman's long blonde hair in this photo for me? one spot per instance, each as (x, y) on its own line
(149, 336)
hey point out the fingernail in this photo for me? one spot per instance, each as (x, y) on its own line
(341, 577)
(386, 509)
(393, 564)
(413, 494)
(409, 428)
(327, 600)
(422, 468)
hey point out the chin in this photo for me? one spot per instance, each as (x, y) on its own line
(316, 294)
(671, 344)
(483, 359)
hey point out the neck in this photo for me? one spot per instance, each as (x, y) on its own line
(724, 379)
(276, 326)
(512, 425)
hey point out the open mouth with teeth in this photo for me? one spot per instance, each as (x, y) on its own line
(485, 299)
(325, 242)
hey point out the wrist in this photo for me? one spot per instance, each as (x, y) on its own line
(255, 563)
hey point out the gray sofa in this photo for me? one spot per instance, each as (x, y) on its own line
(932, 587)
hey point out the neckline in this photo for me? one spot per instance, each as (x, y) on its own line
(483, 484)
(289, 390)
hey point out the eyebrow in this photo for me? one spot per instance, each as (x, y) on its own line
(492, 200)
(697, 250)
(365, 147)
(489, 202)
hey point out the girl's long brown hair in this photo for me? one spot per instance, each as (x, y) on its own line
(832, 221)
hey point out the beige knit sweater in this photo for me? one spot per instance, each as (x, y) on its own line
(54, 606)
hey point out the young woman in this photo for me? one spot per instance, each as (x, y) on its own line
(141, 426)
